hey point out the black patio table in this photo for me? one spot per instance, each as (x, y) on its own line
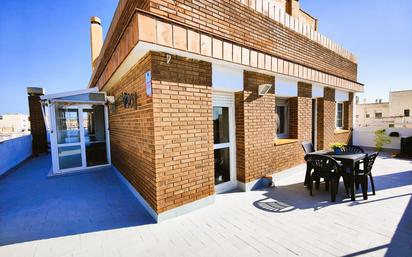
(349, 161)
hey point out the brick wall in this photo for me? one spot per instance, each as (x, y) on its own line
(256, 114)
(304, 111)
(257, 153)
(183, 123)
(300, 113)
(132, 133)
(165, 146)
(232, 20)
(118, 43)
(127, 41)
(240, 136)
(326, 120)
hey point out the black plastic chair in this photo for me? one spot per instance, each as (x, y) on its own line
(361, 176)
(308, 147)
(327, 168)
(352, 149)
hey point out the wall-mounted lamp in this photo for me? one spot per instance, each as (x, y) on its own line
(110, 99)
(264, 89)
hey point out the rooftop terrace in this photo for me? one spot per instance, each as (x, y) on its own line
(94, 214)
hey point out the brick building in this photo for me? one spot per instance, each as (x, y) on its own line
(225, 92)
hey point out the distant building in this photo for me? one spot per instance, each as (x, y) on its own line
(393, 114)
(13, 125)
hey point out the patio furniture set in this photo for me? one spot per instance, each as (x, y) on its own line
(351, 163)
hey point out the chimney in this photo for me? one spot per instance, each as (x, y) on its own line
(293, 7)
(96, 38)
(37, 126)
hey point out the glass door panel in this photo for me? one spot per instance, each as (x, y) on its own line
(222, 165)
(70, 157)
(67, 124)
(220, 125)
(69, 151)
(221, 144)
(94, 135)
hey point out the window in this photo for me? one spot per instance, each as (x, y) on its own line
(378, 115)
(368, 116)
(339, 115)
(282, 118)
(391, 125)
(406, 112)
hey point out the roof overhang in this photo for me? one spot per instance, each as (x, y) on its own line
(68, 93)
(157, 34)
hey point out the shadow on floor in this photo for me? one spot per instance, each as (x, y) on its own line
(295, 196)
(34, 207)
(401, 243)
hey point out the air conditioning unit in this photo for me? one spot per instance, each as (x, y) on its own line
(264, 89)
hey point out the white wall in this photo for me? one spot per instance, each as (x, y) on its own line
(400, 101)
(286, 88)
(227, 78)
(365, 137)
(14, 151)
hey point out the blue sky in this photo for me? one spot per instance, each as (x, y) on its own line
(45, 43)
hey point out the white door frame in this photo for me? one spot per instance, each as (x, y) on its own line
(55, 145)
(227, 100)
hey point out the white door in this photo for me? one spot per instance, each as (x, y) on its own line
(224, 141)
(67, 137)
(80, 137)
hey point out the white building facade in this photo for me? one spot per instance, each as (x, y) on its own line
(393, 114)
(14, 125)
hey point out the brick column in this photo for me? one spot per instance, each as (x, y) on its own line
(37, 126)
(300, 113)
(305, 111)
(183, 130)
(255, 128)
(326, 118)
(294, 117)
(348, 113)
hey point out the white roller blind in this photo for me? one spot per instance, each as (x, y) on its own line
(220, 98)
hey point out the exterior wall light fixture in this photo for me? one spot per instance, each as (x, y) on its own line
(264, 89)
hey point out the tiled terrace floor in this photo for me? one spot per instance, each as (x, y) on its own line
(33, 206)
(282, 221)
